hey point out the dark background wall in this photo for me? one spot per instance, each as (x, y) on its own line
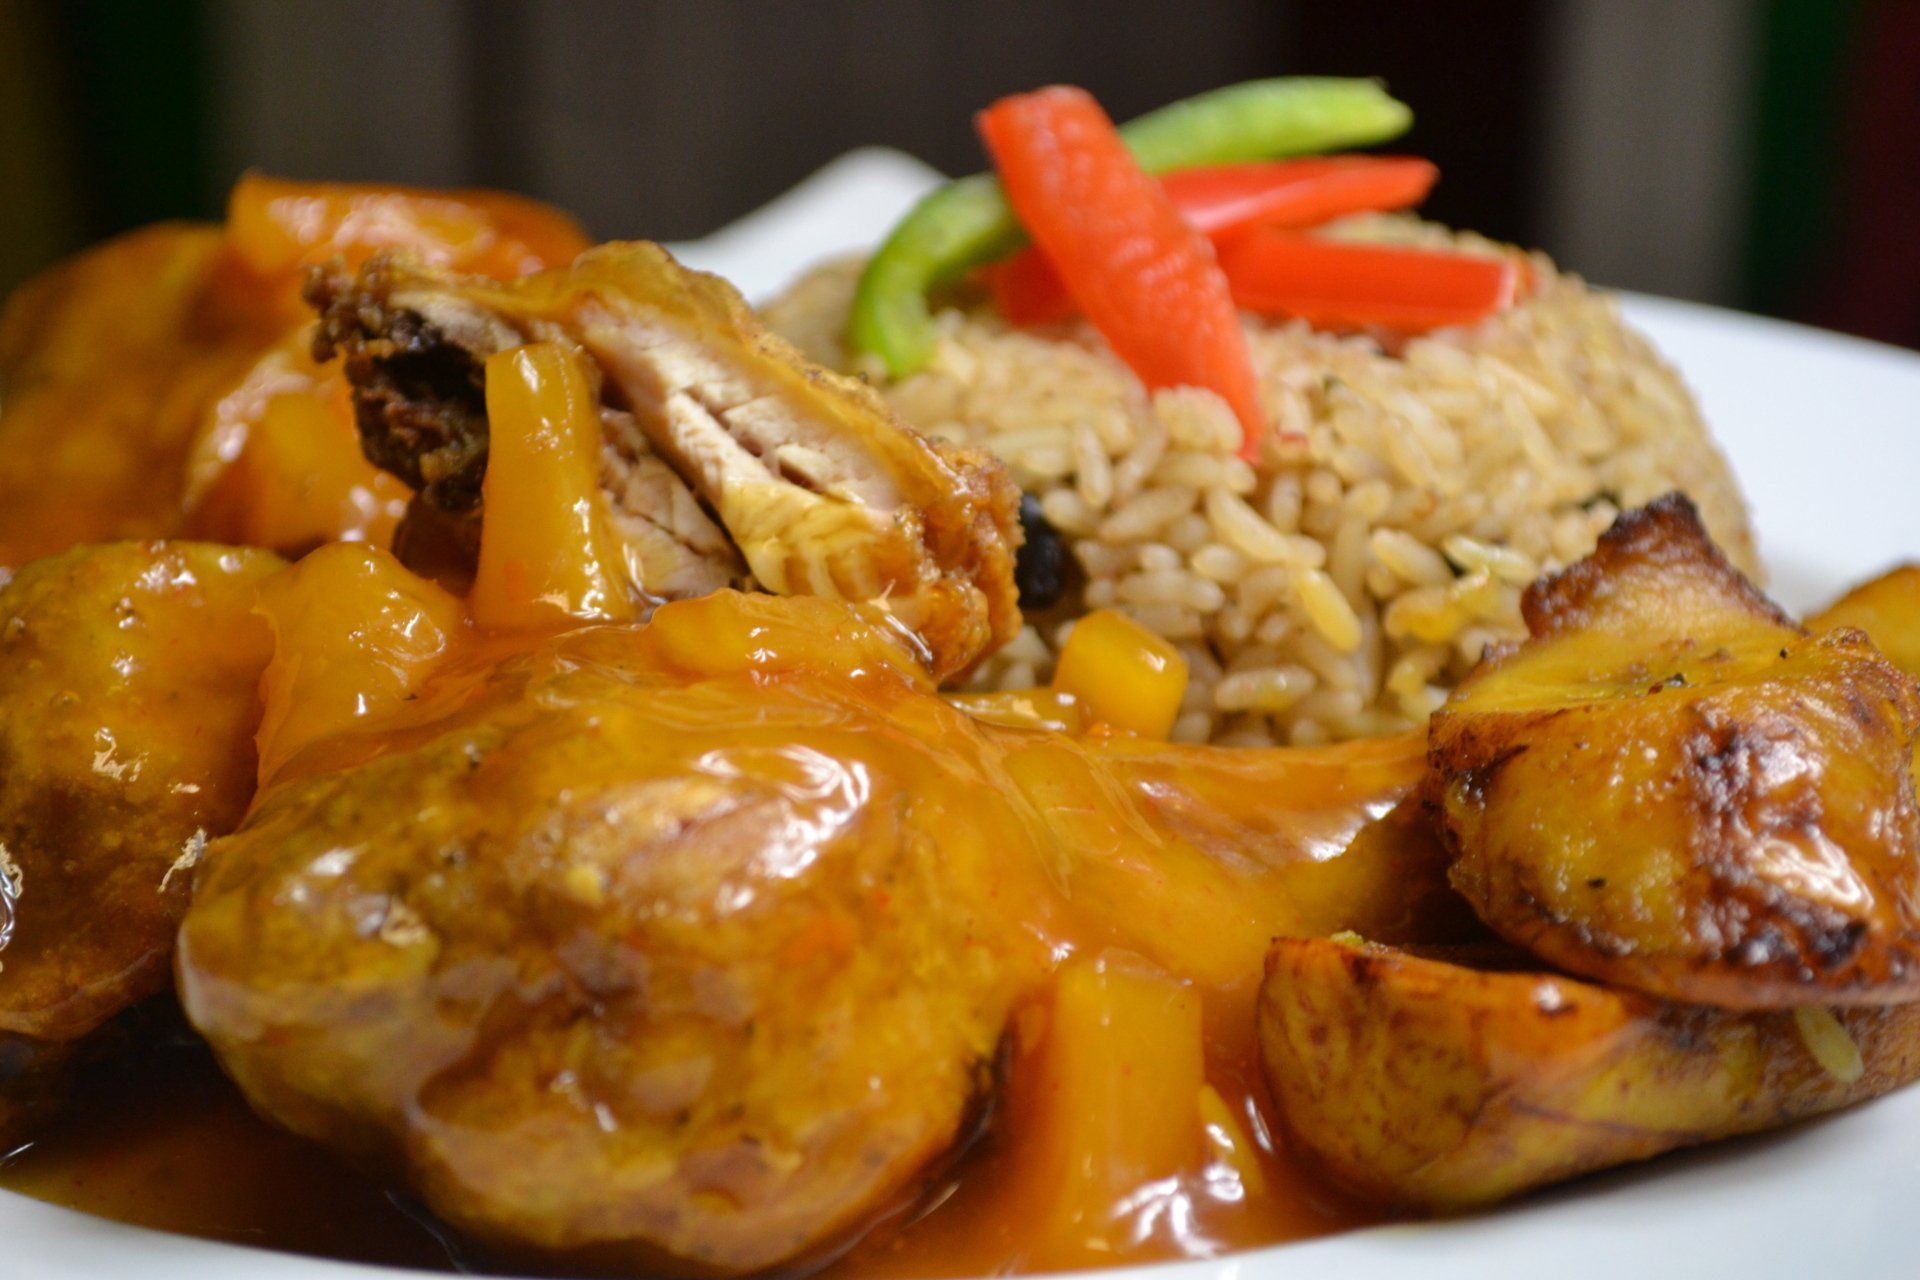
(1763, 153)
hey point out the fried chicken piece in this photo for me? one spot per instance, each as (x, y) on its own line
(729, 459)
(690, 945)
(128, 702)
(621, 962)
(1438, 1085)
(1673, 788)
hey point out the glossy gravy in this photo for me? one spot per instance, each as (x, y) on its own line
(164, 1140)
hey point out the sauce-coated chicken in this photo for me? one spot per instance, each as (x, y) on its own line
(108, 364)
(692, 944)
(1673, 788)
(707, 416)
(128, 700)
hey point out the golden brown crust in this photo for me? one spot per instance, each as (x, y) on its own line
(1430, 1085)
(1664, 539)
(1673, 788)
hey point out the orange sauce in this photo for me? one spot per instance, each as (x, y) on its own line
(163, 1140)
(172, 1146)
(980, 1221)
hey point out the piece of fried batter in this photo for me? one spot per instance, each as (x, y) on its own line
(728, 458)
(1434, 1085)
(128, 700)
(1672, 787)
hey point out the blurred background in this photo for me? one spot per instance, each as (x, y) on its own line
(1763, 154)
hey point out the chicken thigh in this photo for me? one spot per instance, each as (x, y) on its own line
(691, 945)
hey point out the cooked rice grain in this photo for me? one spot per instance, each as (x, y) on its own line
(1343, 593)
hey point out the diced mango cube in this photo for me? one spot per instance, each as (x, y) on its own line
(302, 480)
(548, 558)
(355, 635)
(1123, 674)
(1104, 1105)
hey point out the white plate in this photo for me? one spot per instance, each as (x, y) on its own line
(1825, 435)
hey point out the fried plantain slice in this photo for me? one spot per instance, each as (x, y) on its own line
(728, 458)
(1673, 788)
(1887, 608)
(1433, 1085)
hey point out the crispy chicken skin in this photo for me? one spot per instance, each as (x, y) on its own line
(690, 945)
(1673, 788)
(128, 699)
(1437, 1085)
(712, 424)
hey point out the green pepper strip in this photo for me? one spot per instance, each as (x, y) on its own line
(968, 222)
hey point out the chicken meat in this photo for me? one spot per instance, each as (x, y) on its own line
(728, 459)
(691, 945)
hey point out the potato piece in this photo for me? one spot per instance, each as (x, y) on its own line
(1887, 609)
(1430, 1085)
(1672, 788)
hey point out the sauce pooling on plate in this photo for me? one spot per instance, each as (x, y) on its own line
(163, 1140)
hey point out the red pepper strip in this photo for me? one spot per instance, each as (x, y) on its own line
(1147, 280)
(1298, 193)
(1229, 198)
(1338, 284)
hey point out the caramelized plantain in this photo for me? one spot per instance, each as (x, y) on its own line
(1671, 787)
(1432, 1085)
(1887, 609)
